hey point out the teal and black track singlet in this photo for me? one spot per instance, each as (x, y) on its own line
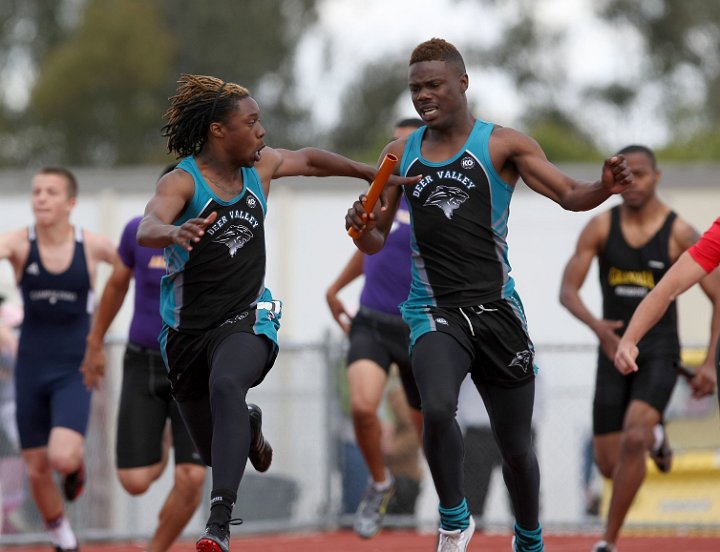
(459, 213)
(224, 273)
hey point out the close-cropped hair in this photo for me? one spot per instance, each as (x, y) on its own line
(637, 148)
(411, 122)
(438, 49)
(199, 101)
(72, 186)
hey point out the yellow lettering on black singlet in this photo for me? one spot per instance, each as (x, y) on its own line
(642, 278)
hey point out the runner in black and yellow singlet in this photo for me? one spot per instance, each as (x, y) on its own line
(635, 244)
(627, 274)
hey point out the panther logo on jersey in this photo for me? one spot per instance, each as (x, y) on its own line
(235, 237)
(447, 198)
(523, 359)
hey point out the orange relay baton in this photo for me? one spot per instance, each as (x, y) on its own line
(381, 178)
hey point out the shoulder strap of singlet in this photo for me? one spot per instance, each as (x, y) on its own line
(667, 225)
(480, 144)
(412, 149)
(251, 181)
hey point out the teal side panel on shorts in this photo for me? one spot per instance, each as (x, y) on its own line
(162, 339)
(519, 310)
(419, 320)
(267, 321)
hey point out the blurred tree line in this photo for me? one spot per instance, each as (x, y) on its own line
(105, 68)
(102, 70)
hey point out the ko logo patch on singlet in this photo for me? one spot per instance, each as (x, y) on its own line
(234, 237)
(447, 198)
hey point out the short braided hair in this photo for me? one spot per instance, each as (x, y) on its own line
(438, 49)
(200, 100)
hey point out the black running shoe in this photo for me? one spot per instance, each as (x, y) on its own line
(216, 537)
(61, 549)
(74, 483)
(260, 450)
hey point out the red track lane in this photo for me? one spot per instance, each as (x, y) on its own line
(407, 541)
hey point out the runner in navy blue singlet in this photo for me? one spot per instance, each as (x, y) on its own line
(635, 244)
(463, 311)
(220, 321)
(54, 263)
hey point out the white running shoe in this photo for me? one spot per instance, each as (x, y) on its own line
(456, 541)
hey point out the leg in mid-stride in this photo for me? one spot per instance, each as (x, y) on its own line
(627, 430)
(377, 340)
(229, 433)
(507, 388)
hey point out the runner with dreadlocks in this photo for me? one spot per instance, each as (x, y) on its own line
(219, 337)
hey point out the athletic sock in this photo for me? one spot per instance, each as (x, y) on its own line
(659, 434)
(457, 518)
(61, 534)
(222, 503)
(385, 484)
(528, 541)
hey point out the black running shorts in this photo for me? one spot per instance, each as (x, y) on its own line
(652, 384)
(384, 339)
(145, 406)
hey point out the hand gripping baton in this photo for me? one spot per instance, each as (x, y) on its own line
(381, 178)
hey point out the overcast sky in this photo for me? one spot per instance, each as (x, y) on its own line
(350, 33)
(591, 54)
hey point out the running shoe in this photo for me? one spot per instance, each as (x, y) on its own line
(603, 546)
(371, 510)
(663, 455)
(61, 549)
(74, 483)
(456, 541)
(216, 537)
(260, 450)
